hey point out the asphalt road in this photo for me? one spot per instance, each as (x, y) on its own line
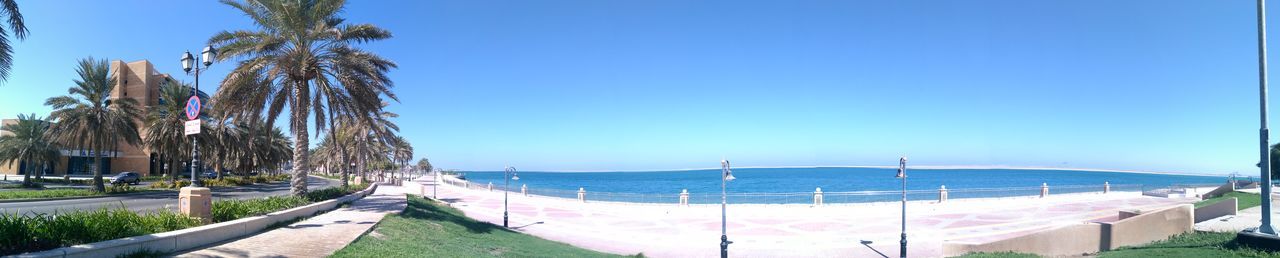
(162, 200)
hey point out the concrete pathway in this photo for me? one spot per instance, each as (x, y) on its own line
(1246, 218)
(793, 230)
(318, 236)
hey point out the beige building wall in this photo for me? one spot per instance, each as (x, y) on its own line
(137, 80)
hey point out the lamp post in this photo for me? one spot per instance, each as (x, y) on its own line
(188, 63)
(902, 173)
(1264, 163)
(508, 174)
(725, 177)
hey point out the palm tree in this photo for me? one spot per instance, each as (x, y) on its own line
(19, 30)
(424, 165)
(165, 134)
(89, 118)
(302, 56)
(28, 147)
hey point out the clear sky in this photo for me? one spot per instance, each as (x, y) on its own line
(666, 84)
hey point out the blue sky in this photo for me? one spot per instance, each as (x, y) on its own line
(665, 84)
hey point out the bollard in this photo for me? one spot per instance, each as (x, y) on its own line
(582, 194)
(1044, 190)
(684, 197)
(524, 189)
(817, 197)
(1106, 187)
(942, 193)
(491, 186)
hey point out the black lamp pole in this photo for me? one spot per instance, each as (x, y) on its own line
(508, 174)
(902, 173)
(206, 57)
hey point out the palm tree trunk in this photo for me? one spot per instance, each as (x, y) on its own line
(301, 144)
(26, 175)
(97, 172)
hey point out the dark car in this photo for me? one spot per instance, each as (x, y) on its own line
(126, 178)
(209, 175)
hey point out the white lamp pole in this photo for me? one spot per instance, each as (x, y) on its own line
(725, 177)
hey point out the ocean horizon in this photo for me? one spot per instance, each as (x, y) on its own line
(838, 179)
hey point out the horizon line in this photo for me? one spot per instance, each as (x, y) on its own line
(922, 167)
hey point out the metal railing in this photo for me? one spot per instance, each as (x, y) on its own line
(798, 197)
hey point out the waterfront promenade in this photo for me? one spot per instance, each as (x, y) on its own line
(318, 236)
(792, 230)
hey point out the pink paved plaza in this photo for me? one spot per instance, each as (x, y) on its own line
(791, 230)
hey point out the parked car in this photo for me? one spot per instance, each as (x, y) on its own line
(126, 178)
(209, 175)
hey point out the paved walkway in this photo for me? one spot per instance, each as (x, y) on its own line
(667, 230)
(318, 236)
(1246, 218)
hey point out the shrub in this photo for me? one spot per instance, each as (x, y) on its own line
(36, 232)
(334, 192)
(228, 210)
(165, 184)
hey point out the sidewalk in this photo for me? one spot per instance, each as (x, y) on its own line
(318, 236)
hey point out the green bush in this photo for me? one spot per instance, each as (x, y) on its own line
(36, 232)
(334, 192)
(228, 210)
(166, 184)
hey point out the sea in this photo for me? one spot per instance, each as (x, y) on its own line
(859, 184)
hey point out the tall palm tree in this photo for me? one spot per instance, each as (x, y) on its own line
(424, 165)
(17, 27)
(165, 134)
(88, 118)
(302, 56)
(28, 147)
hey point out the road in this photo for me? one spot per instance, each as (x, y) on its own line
(161, 200)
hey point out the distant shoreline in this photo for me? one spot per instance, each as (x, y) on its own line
(927, 167)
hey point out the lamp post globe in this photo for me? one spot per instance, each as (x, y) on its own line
(208, 54)
(187, 61)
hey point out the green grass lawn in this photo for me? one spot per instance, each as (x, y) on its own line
(63, 192)
(1244, 200)
(1197, 244)
(427, 229)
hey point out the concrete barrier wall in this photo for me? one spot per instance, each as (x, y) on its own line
(1225, 188)
(185, 239)
(1065, 241)
(1090, 238)
(1150, 227)
(1225, 207)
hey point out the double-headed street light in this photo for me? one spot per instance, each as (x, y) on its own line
(508, 174)
(188, 63)
(902, 173)
(725, 176)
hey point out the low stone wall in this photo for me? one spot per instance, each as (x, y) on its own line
(1224, 189)
(1090, 238)
(1225, 207)
(186, 239)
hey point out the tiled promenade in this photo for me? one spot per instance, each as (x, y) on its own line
(668, 230)
(318, 236)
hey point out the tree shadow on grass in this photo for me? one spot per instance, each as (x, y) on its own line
(421, 210)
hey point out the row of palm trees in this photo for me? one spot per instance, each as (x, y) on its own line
(88, 118)
(302, 56)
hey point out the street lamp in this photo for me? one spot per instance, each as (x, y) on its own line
(725, 177)
(1264, 163)
(508, 174)
(902, 173)
(188, 63)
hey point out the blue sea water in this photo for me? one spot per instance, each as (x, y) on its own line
(836, 179)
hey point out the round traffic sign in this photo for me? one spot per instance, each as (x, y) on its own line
(193, 108)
